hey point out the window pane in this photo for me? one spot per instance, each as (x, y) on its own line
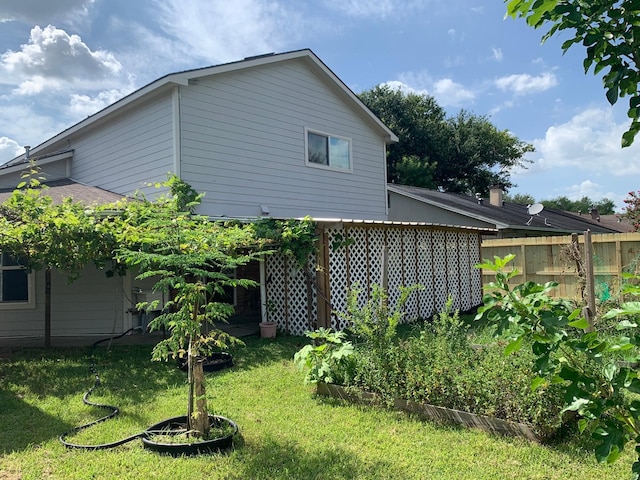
(318, 151)
(8, 261)
(15, 287)
(339, 153)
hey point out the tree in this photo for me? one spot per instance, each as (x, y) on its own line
(462, 154)
(520, 199)
(610, 32)
(42, 235)
(417, 120)
(193, 260)
(584, 205)
(632, 209)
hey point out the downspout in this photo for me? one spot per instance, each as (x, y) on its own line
(177, 132)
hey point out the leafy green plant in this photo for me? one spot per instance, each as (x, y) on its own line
(599, 377)
(329, 359)
(375, 322)
(192, 260)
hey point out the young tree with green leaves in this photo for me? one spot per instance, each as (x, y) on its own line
(192, 260)
(610, 33)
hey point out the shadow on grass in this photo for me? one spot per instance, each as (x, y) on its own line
(286, 460)
(22, 424)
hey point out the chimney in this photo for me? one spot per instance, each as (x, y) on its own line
(495, 195)
(594, 214)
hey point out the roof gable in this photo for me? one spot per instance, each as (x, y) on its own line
(186, 77)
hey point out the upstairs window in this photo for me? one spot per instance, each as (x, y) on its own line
(15, 283)
(328, 151)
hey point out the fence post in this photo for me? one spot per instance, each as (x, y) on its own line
(590, 309)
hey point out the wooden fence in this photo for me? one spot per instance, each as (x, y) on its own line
(544, 259)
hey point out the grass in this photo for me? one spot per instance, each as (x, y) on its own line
(287, 432)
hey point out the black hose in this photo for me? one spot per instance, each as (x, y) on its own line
(114, 411)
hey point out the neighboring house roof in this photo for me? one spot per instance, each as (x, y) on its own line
(507, 216)
(58, 190)
(617, 221)
(191, 76)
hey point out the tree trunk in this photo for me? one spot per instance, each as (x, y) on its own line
(201, 415)
(47, 307)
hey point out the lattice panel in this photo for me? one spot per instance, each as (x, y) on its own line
(358, 263)
(453, 269)
(396, 264)
(376, 242)
(425, 273)
(339, 280)
(465, 272)
(297, 322)
(410, 273)
(476, 273)
(440, 270)
(276, 289)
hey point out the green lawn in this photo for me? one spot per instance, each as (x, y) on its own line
(287, 432)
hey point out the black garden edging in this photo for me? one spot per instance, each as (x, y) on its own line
(212, 363)
(435, 413)
(177, 426)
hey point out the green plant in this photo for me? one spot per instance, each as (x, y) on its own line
(192, 260)
(598, 376)
(375, 322)
(295, 239)
(329, 359)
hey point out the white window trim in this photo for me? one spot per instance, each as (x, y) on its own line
(31, 296)
(307, 131)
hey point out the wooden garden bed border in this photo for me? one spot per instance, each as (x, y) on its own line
(435, 413)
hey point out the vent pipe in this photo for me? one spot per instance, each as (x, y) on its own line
(26, 152)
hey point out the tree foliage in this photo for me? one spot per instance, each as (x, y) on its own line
(584, 205)
(632, 209)
(610, 33)
(465, 153)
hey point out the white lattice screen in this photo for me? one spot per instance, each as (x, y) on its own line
(442, 261)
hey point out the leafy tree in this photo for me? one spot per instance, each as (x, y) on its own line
(42, 235)
(417, 120)
(193, 260)
(583, 205)
(520, 199)
(609, 30)
(478, 155)
(632, 209)
(463, 154)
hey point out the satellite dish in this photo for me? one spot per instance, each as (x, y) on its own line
(535, 209)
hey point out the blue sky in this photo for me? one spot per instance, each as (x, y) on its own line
(61, 60)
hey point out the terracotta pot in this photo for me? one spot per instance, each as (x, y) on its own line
(268, 329)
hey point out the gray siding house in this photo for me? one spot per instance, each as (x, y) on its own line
(277, 135)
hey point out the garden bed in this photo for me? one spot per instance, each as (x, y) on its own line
(433, 412)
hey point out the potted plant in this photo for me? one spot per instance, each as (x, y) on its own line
(192, 260)
(269, 327)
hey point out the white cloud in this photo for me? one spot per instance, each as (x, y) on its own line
(54, 59)
(590, 141)
(497, 54)
(9, 149)
(366, 8)
(42, 11)
(449, 93)
(227, 31)
(81, 106)
(524, 84)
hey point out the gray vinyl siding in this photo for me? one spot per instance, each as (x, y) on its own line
(88, 306)
(129, 151)
(243, 143)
